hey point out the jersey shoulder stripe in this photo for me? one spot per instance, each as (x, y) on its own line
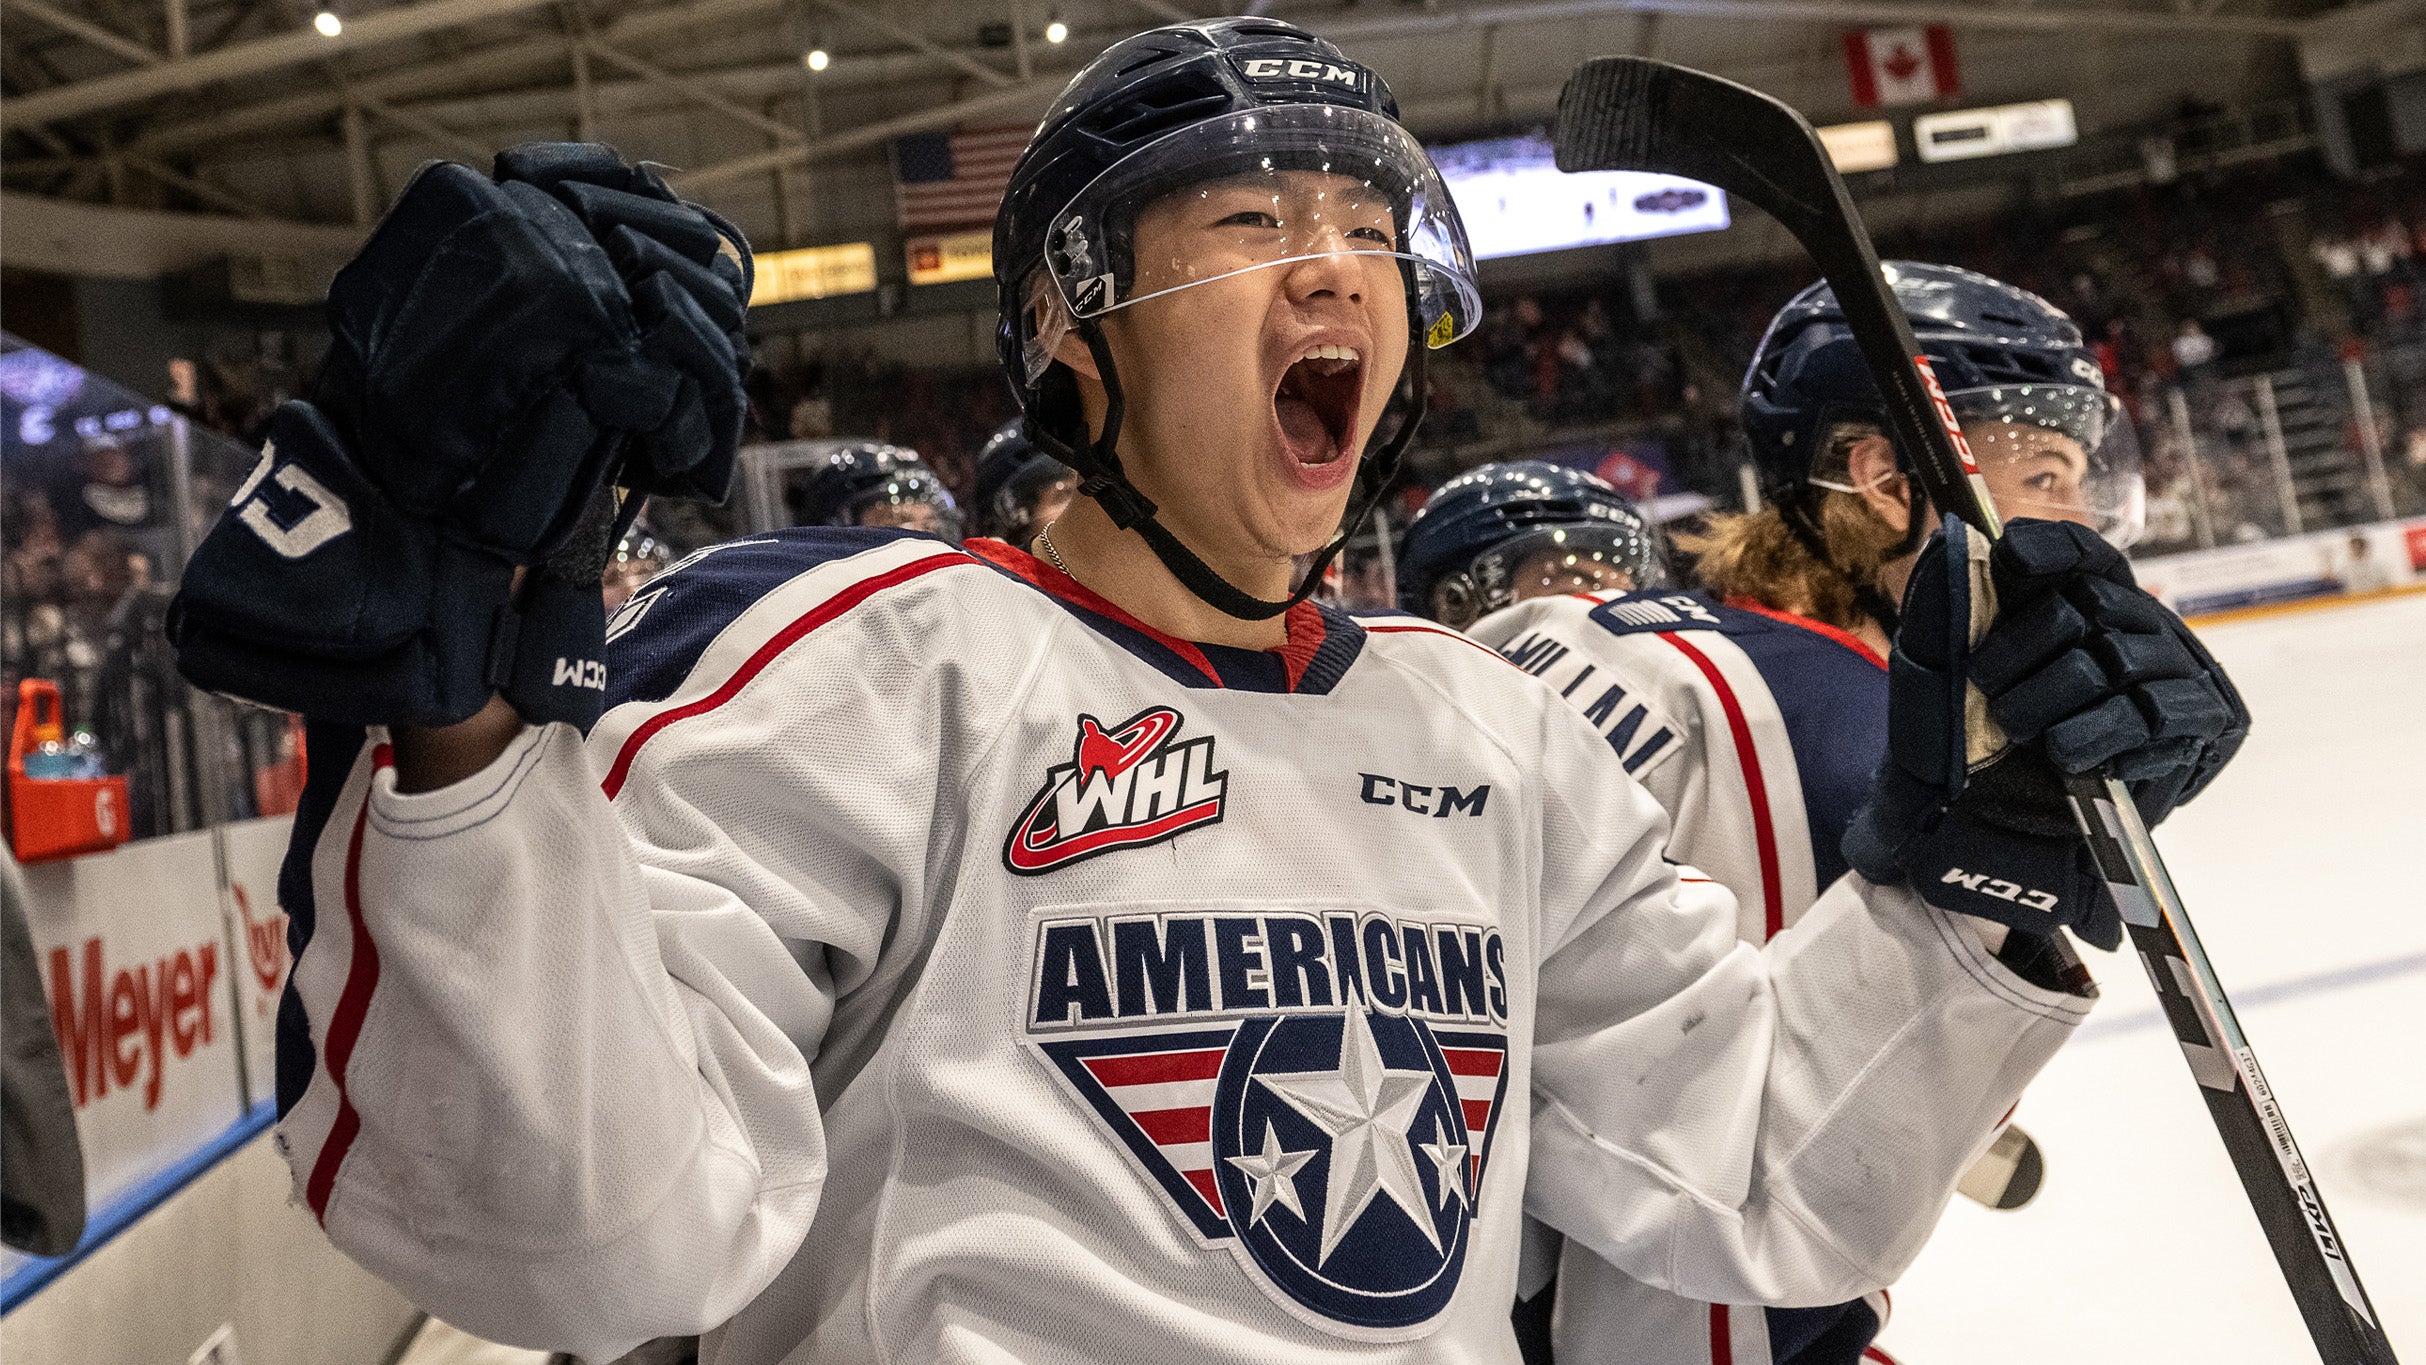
(1831, 692)
(660, 635)
(704, 653)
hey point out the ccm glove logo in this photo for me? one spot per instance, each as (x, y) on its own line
(2003, 890)
(590, 673)
(291, 536)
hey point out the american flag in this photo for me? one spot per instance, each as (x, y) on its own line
(952, 180)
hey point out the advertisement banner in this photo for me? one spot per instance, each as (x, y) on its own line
(957, 256)
(256, 935)
(134, 958)
(2354, 559)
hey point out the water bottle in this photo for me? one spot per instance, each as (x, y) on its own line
(50, 761)
(84, 754)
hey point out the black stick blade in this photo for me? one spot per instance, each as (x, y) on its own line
(1636, 114)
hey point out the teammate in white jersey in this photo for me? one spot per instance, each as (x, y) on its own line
(1759, 728)
(1094, 954)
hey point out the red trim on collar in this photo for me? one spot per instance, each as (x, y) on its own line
(1842, 637)
(1307, 630)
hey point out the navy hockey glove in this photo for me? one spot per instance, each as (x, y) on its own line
(491, 366)
(2089, 669)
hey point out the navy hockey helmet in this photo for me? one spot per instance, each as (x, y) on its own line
(872, 483)
(2013, 366)
(1213, 100)
(1013, 477)
(1469, 549)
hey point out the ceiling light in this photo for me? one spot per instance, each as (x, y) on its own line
(328, 24)
(1057, 32)
(818, 59)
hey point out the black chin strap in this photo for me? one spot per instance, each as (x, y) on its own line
(1796, 506)
(1132, 510)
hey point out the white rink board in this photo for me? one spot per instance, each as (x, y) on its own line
(2301, 871)
(158, 1038)
(256, 933)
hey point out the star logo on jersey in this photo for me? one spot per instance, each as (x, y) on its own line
(1125, 786)
(1338, 1154)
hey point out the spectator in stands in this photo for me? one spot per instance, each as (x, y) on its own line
(2361, 573)
(2194, 351)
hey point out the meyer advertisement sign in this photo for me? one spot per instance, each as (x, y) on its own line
(142, 997)
(256, 931)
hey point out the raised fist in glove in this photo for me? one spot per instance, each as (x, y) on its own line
(2015, 664)
(502, 349)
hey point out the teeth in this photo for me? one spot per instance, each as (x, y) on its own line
(1329, 353)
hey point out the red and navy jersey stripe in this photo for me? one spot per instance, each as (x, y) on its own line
(1831, 690)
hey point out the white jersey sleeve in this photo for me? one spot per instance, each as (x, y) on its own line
(1712, 1118)
(563, 1092)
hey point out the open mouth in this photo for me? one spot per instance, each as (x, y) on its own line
(1317, 401)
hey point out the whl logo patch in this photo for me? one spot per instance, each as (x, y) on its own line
(1124, 787)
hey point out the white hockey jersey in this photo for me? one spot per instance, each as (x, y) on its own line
(925, 961)
(1760, 733)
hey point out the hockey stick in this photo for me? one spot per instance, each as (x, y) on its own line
(1632, 113)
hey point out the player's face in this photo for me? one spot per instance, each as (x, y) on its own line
(2032, 471)
(1555, 572)
(1250, 396)
(914, 516)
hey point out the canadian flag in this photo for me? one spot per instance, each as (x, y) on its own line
(1902, 65)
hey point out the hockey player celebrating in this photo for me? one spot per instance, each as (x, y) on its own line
(950, 954)
(1019, 487)
(1758, 716)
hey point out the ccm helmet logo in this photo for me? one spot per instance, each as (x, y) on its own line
(291, 536)
(1303, 70)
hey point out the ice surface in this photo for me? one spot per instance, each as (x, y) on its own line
(2304, 868)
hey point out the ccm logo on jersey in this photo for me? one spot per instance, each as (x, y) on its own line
(1125, 787)
(2003, 890)
(1304, 71)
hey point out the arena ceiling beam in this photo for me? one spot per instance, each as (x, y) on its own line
(246, 59)
(1031, 97)
(495, 61)
(2034, 18)
(108, 41)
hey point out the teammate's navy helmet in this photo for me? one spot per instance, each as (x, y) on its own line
(862, 476)
(2009, 362)
(1012, 474)
(1465, 549)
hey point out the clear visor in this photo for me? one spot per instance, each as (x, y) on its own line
(1263, 188)
(2057, 452)
(1547, 563)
